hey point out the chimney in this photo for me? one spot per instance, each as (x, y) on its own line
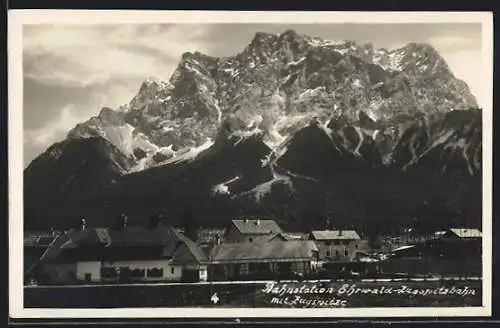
(245, 220)
(84, 224)
(340, 232)
(257, 222)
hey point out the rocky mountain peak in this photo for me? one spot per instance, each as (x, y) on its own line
(151, 89)
(274, 87)
(289, 124)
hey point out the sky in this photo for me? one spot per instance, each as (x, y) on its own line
(70, 72)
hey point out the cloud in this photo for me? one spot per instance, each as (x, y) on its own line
(67, 117)
(51, 110)
(71, 72)
(454, 43)
(89, 55)
(36, 140)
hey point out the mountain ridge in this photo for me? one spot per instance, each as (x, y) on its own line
(199, 104)
(306, 109)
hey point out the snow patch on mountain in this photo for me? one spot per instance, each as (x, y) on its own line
(276, 86)
(309, 93)
(121, 137)
(242, 135)
(223, 187)
(318, 42)
(190, 154)
(296, 63)
(357, 83)
(263, 189)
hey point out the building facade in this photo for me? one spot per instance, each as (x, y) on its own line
(263, 260)
(36, 244)
(129, 254)
(336, 245)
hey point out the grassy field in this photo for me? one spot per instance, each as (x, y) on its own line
(261, 294)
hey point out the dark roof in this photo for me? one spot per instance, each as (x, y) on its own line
(131, 243)
(34, 238)
(38, 241)
(193, 248)
(249, 252)
(256, 226)
(335, 235)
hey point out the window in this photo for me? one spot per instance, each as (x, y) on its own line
(356, 246)
(337, 253)
(137, 273)
(346, 253)
(327, 243)
(155, 273)
(327, 253)
(250, 240)
(172, 270)
(88, 276)
(244, 269)
(336, 242)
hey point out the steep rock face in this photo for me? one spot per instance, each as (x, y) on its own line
(277, 84)
(444, 142)
(294, 126)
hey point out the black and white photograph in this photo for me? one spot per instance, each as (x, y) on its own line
(250, 164)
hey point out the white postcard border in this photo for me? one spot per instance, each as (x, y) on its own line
(16, 18)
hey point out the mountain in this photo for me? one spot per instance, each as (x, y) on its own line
(294, 126)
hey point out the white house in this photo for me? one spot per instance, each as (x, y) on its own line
(126, 254)
(336, 244)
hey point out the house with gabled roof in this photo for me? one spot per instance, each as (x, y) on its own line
(35, 244)
(123, 254)
(253, 230)
(262, 259)
(462, 233)
(340, 245)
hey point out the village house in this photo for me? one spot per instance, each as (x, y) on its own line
(462, 233)
(253, 230)
(459, 243)
(456, 251)
(337, 245)
(263, 260)
(35, 244)
(123, 254)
